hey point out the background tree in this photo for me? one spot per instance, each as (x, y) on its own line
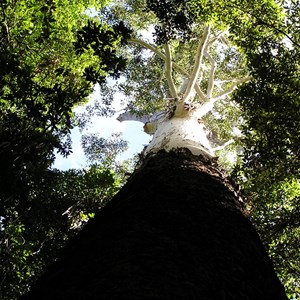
(47, 68)
(269, 172)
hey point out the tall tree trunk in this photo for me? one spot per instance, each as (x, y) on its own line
(175, 231)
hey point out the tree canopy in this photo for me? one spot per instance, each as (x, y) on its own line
(51, 55)
(238, 61)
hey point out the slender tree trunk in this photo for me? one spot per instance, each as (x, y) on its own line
(175, 231)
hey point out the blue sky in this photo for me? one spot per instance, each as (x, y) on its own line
(132, 132)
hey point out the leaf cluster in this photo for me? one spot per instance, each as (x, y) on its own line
(176, 19)
(244, 18)
(102, 40)
(103, 151)
(34, 230)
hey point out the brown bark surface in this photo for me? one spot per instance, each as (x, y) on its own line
(175, 231)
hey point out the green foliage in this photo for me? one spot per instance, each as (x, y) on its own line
(57, 206)
(144, 87)
(45, 72)
(270, 171)
(175, 16)
(51, 54)
(101, 150)
(244, 18)
(43, 76)
(101, 40)
(271, 103)
(133, 13)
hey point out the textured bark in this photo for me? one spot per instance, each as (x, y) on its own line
(175, 231)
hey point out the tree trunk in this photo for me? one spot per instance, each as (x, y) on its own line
(176, 230)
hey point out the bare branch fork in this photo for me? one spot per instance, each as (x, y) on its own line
(208, 106)
(218, 37)
(191, 83)
(181, 70)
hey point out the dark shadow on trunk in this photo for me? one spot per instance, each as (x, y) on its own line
(175, 231)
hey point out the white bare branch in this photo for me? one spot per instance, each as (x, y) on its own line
(205, 108)
(211, 80)
(181, 70)
(197, 88)
(208, 106)
(231, 141)
(183, 86)
(235, 84)
(200, 93)
(217, 37)
(198, 62)
(148, 46)
(129, 116)
(192, 79)
(168, 72)
(157, 52)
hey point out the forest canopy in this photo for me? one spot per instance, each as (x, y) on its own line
(46, 70)
(52, 54)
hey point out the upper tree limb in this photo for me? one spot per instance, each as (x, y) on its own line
(197, 64)
(175, 66)
(211, 80)
(169, 66)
